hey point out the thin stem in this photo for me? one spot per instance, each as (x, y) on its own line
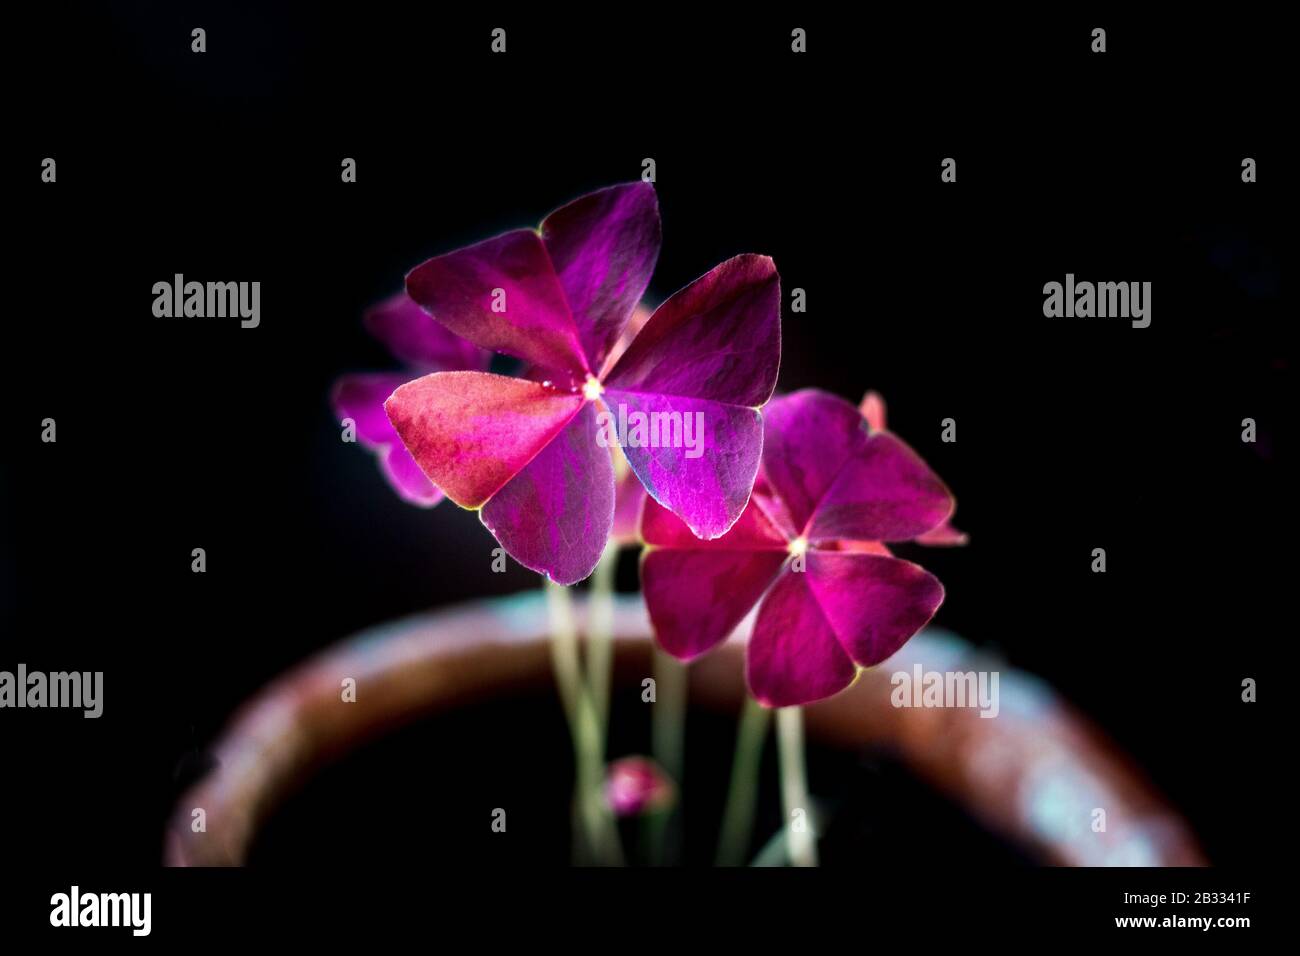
(669, 717)
(594, 816)
(794, 787)
(600, 644)
(668, 746)
(742, 794)
(773, 852)
(564, 649)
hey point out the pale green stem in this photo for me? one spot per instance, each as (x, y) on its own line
(799, 821)
(668, 744)
(742, 794)
(594, 816)
(773, 852)
(669, 719)
(600, 644)
(564, 647)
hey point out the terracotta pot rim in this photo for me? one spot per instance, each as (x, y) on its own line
(1034, 774)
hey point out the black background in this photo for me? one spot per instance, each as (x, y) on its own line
(175, 434)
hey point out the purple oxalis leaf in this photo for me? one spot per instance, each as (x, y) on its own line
(560, 299)
(471, 432)
(501, 294)
(884, 493)
(873, 602)
(945, 535)
(416, 339)
(603, 247)
(711, 352)
(698, 591)
(708, 491)
(807, 552)
(794, 656)
(717, 339)
(361, 398)
(555, 515)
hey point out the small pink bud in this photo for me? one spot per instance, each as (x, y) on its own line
(634, 785)
(873, 410)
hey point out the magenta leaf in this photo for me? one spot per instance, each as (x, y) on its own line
(710, 353)
(706, 472)
(793, 656)
(628, 499)
(663, 530)
(502, 294)
(555, 515)
(603, 248)
(718, 339)
(809, 436)
(943, 536)
(698, 591)
(410, 483)
(696, 598)
(361, 397)
(883, 493)
(874, 603)
(413, 336)
(471, 432)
